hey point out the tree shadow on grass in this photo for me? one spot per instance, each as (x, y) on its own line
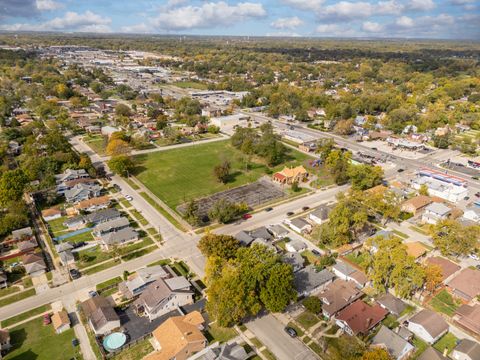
(17, 338)
(26, 355)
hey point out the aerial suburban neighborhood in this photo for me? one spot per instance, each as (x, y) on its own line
(233, 198)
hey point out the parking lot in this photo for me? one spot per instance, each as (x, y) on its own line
(403, 153)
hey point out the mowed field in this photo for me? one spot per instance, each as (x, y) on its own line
(179, 175)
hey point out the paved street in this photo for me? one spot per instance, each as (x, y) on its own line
(270, 332)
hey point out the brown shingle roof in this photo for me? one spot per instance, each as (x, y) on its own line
(417, 202)
(469, 317)
(361, 317)
(432, 322)
(338, 295)
(467, 283)
(84, 204)
(59, 319)
(91, 305)
(448, 267)
(51, 212)
(415, 249)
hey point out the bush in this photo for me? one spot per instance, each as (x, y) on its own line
(313, 304)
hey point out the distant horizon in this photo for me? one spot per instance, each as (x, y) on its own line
(351, 19)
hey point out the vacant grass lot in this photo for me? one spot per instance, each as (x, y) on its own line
(448, 341)
(34, 341)
(178, 175)
(445, 303)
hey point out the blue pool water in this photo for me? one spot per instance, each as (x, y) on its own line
(71, 234)
(114, 341)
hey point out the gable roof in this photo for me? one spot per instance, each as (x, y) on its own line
(119, 236)
(431, 354)
(392, 303)
(244, 238)
(468, 316)
(59, 319)
(467, 282)
(448, 267)
(361, 317)
(85, 204)
(393, 342)
(418, 202)
(470, 348)
(293, 172)
(308, 279)
(438, 209)
(432, 322)
(338, 295)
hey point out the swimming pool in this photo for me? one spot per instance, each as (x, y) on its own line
(114, 341)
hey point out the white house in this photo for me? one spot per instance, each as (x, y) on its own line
(466, 350)
(299, 225)
(428, 325)
(295, 246)
(472, 213)
(319, 215)
(442, 185)
(435, 212)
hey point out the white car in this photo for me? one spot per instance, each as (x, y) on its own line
(474, 257)
(128, 197)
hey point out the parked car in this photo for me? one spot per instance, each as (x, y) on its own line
(116, 187)
(291, 331)
(316, 252)
(92, 293)
(474, 257)
(400, 170)
(290, 213)
(246, 216)
(75, 274)
(477, 194)
(305, 208)
(466, 198)
(128, 197)
(46, 319)
(268, 209)
(474, 177)
(75, 342)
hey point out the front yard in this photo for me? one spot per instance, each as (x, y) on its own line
(444, 302)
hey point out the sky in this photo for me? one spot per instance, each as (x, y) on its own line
(436, 19)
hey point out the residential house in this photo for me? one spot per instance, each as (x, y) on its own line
(82, 192)
(4, 340)
(27, 246)
(34, 264)
(447, 267)
(338, 295)
(472, 213)
(415, 204)
(244, 238)
(435, 212)
(295, 246)
(137, 283)
(3, 279)
(291, 175)
(21, 234)
(415, 249)
(428, 325)
(466, 350)
(359, 317)
(94, 204)
(278, 231)
(299, 225)
(261, 233)
(309, 280)
(109, 130)
(391, 303)
(109, 226)
(468, 317)
(349, 273)
(51, 214)
(432, 354)
(118, 237)
(60, 321)
(63, 246)
(101, 315)
(225, 351)
(67, 257)
(397, 347)
(163, 296)
(295, 259)
(263, 242)
(178, 338)
(71, 174)
(94, 218)
(466, 284)
(70, 184)
(320, 214)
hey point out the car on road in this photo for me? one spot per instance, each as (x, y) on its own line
(246, 216)
(290, 213)
(92, 293)
(75, 342)
(75, 274)
(47, 319)
(466, 198)
(475, 178)
(400, 170)
(474, 257)
(316, 252)
(109, 178)
(128, 197)
(477, 194)
(374, 149)
(268, 209)
(117, 187)
(291, 331)
(292, 127)
(305, 208)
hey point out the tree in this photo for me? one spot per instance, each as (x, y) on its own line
(117, 147)
(295, 187)
(121, 164)
(126, 274)
(337, 164)
(423, 190)
(191, 212)
(12, 186)
(452, 238)
(115, 251)
(277, 291)
(223, 246)
(222, 171)
(364, 176)
(312, 304)
(224, 211)
(376, 353)
(433, 277)
(122, 110)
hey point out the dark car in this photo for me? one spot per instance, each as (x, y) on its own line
(79, 244)
(400, 170)
(75, 274)
(46, 319)
(246, 216)
(478, 267)
(92, 293)
(477, 194)
(474, 177)
(305, 208)
(75, 342)
(374, 149)
(316, 252)
(290, 213)
(268, 209)
(291, 331)
(466, 198)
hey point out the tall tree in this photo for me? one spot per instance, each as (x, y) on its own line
(223, 246)
(452, 238)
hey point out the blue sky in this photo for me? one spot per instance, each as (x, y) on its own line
(441, 19)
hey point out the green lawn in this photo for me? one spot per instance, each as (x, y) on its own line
(92, 256)
(160, 262)
(56, 226)
(310, 257)
(17, 297)
(162, 211)
(139, 217)
(448, 341)
(35, 341)
(357, 259)
(136, 352)
(221, 334)
(139, 253)
(100, 267)
(420, 345)
(190, 85)
(86, 236)
(307, 319)
(97, 145)
(181, 174)
(9, 290)
(25, 315)
(108, 283)
(444, 302)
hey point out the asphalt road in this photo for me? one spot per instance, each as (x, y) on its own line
(270, 332)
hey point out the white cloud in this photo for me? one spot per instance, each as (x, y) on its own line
(372, 27)
(422, 5)
(311, 5)
(287, 23)
(137, 29)
(208, 15)
(283, 34)
(48, 5)
(405, 22)
(71, 21)
(328, 28)
(347, 10)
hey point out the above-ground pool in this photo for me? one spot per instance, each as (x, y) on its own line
(114, 341)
